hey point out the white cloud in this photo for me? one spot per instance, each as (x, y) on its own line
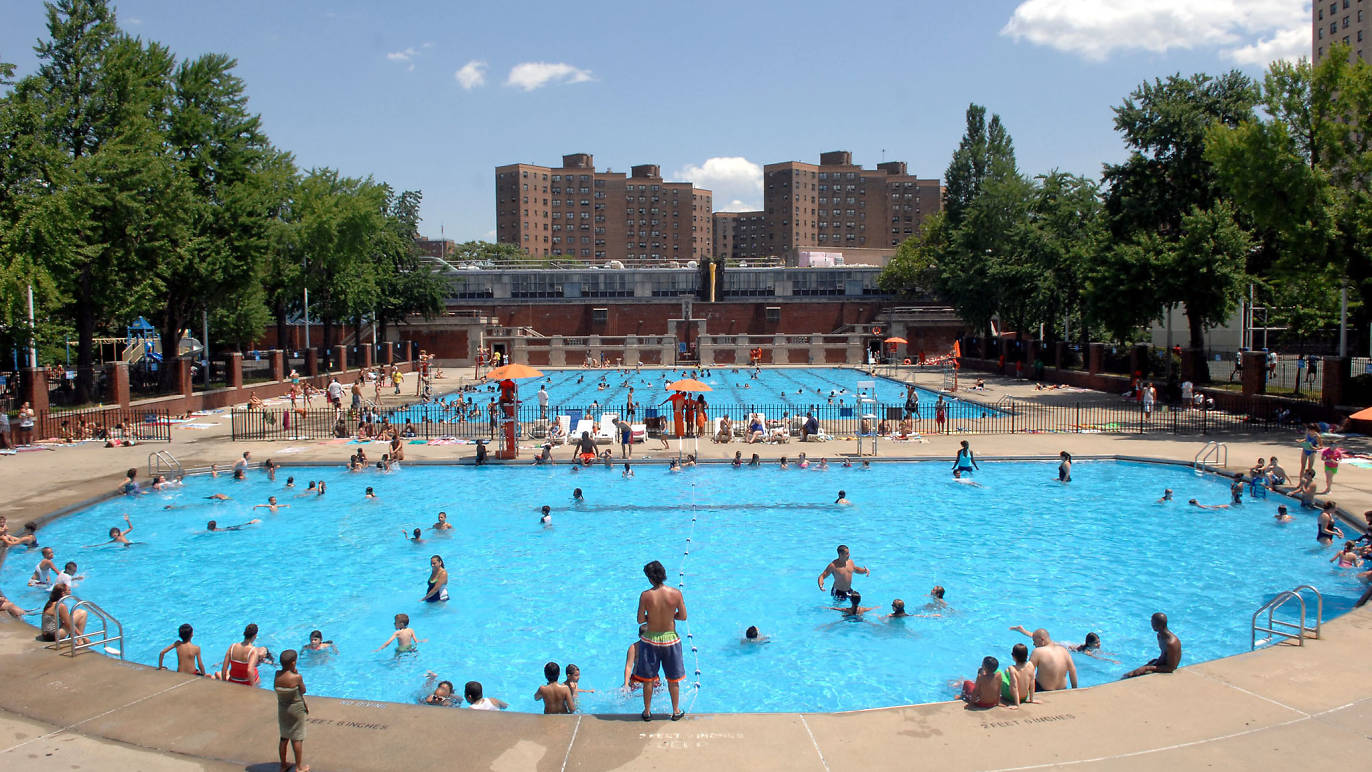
(1245, 30)
(532, 75)
(730, 178)
(406, 55)
(1290, 44)
(472, 74)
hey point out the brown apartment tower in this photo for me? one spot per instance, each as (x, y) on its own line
(576, 212)
(832, 205)
(1339, 21)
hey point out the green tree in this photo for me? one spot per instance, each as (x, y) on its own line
(407, 285)
(1166, 187)
(985, 152)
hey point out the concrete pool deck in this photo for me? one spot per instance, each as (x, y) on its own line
(1307, 705)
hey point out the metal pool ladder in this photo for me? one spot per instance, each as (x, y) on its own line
(163, 462)
(1212, 451)
(94, 639)
(1282, 628)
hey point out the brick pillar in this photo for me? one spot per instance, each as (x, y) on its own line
(1138, 360)
(340, 358)
(118, 375)
(185, 384)
(312, 363)
(35, 388)
(1336, 375)
(1095, 357)
(1254, 372)
(278, 360)
(1060, 354)
(235, 370)
(366, 356)
(387, 353)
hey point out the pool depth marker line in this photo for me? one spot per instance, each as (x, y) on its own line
(88, 719)
(823, 762)
(571, 742)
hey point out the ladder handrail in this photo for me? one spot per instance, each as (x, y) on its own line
(106, 619)
(155, 460)
(1279, 600)
(1214, 448)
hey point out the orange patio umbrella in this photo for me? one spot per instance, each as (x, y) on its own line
(1362, 415)
(686, 384)
(512, 372)
(894, 341)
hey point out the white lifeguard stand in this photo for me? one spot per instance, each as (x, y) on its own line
(867, 409)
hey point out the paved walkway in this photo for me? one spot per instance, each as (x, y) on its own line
(1285, 705)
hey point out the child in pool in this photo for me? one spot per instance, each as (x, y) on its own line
(404, 637)
(573, 689)
(1347, 557)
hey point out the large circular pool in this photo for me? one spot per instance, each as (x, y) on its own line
(1098, 554)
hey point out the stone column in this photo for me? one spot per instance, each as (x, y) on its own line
(185, 384)
(1095, 357)
(235, 370)
(117, 374)
(35, 388)
(387, 353)
(278, 360)
(366, 356)
(1336, 375)
(312, 362)
(1254, 372)
(1060, 354)
(340, 358)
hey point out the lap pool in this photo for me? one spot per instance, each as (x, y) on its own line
(1095, 555)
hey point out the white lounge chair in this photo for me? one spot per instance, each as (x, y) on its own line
(638, 432)
(585, 425)
(607, 434)
(564, 426)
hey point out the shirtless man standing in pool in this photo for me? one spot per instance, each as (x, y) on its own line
(1053, 664)
(842, 569)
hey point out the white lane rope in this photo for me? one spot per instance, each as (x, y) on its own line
(681, 585)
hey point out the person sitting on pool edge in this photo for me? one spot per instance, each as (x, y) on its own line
(985, 691)
(1169, 646)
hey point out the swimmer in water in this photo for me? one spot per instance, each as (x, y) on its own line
(1090, 647)
(628, 472)
(290, 482)
(116, 536)
(751, 635)
(547, 516)
(321, 487)
(442, 694)
(217, 497)
(442, 524)
(1166, 496)
(412, 538)
(271, 505)
(841, 501)
(371, 494)
(317, 643)
(213, 527)
(958, 478)
(936, 601)
(674, 466)
(404, 637)
(897, 610)
(1195, 503)
(578, 497)
(1282, 515)
(854, 610)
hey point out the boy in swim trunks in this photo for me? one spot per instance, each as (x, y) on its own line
(659, 646)
(1017, 681)
(556, 698)
(985, 691)
(187, 654)
(404, 637)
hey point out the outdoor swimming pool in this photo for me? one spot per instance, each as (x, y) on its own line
(1095, 555)
(795, 388)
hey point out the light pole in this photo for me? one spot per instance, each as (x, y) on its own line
(33, 348)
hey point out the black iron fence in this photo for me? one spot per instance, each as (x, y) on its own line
(474, 421)
(104, 424)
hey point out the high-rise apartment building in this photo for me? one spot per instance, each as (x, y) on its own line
(1340, 21)
(576, 212)
(831, 205)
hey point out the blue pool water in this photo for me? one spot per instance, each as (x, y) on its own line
(1095, 555)
(797, 388)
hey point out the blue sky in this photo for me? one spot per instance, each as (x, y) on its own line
(434, 95)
